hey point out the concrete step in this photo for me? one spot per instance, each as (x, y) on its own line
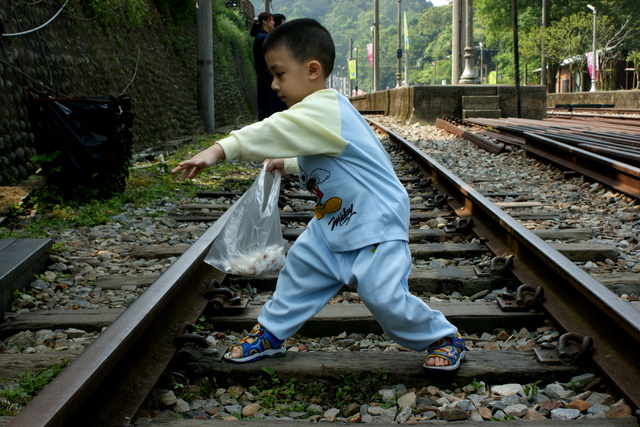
(487, 114)
(20, 259)
(479, 90)
(480, 102)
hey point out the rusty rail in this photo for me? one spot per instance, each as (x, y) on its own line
(590, 152)
(481, 142)
(576, 301)
(122, 365)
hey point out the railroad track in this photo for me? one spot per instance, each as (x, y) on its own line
(108, 383)
(605, 149)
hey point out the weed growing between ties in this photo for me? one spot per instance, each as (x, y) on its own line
(281, 395)
(14, 395)
(290, 394)
(150, 185)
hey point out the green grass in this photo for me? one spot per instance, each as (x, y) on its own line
(14, 396)
(148, 185)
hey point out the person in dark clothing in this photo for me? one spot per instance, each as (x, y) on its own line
(268, 101)
(279, 18)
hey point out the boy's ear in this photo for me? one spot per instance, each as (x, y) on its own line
(315, 69)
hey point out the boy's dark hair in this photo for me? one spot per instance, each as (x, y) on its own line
(306, 39)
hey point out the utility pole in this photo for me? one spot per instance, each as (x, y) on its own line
(594, 60)
(206, 104)
(516, 55)
(349, 59)
(543, 61)
(399, 51)
(266, 6)
(456, 31)
(406, 50)
(376, 46)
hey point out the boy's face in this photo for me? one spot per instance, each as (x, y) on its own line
(293, 80)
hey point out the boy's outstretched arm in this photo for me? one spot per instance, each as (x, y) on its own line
(207, 158)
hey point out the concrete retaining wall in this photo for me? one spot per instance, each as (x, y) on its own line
(428, 103)
(619, 98)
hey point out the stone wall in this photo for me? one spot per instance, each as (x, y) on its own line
(78, 56)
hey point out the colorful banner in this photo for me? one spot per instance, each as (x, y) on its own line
(352, 69)
(370, 53)
(406, 32)
(590, 65)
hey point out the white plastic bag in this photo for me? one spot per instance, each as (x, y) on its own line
(251, 242)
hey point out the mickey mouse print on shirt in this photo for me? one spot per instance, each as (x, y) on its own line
(311, 183)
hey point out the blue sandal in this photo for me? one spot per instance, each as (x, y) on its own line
(258, 344)
(451, 349)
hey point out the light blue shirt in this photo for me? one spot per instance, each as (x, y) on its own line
(341, 161)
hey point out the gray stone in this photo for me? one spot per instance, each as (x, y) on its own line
(181, 406)
(506, 389)
(558, 391)
(408, 400)
(366, 418)
(350, 409)
(389, 414)
(518, 410)
(600, 399)
(314, 409)
(168, 398)
(512, 399)
(464, 405)
(388, 395)
(39, 284)
(331, 414)
(404, 415)
(499, 414)
(598, 409)
(582, 380)
(564, 414)
(234, 409)
(496, 406)
(375, 410)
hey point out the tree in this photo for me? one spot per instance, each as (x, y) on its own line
(569, 22)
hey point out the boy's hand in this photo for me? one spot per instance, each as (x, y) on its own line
(207, 158)
(275, 164)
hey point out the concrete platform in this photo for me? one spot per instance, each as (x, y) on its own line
(425, 104)
(20, 259)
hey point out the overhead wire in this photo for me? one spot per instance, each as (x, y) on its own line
(39, 27)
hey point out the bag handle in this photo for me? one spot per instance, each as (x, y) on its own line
(268, 190)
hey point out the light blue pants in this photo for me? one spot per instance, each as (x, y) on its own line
(313, 275)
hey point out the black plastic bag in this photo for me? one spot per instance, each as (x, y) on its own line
(84, 144)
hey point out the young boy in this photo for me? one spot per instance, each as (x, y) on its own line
(359, 234)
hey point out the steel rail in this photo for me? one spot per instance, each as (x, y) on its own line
(106, 384)
(481, 142)
(575, 300)
(618, 175)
